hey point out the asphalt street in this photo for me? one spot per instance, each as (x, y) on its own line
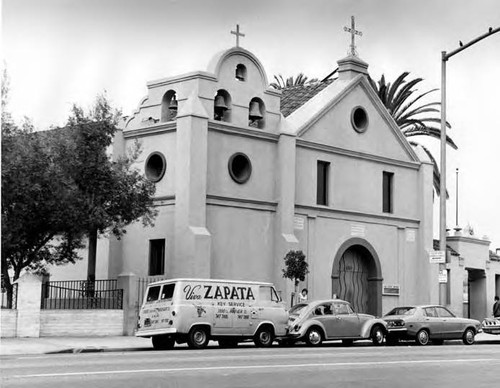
(331, 365)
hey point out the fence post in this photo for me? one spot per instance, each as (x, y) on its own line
(128, 282)
(29, 299)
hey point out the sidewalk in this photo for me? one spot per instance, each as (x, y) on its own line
(48, 345)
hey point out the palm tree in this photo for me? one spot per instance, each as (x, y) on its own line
(413, 120)
(300, 79)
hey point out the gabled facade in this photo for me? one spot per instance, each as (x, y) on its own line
(245, 173)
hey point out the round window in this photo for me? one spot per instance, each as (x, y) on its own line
(240, 167)
(155, 166)
(359, 119)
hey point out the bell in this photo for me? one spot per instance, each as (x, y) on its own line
(220, 104)
(254, 113)
(173, 104)
(240, 74)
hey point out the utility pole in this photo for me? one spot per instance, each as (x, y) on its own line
(442, 198)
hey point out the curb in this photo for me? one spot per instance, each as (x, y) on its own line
(94, 349)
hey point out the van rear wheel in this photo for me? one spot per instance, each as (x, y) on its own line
(264, 337)
(163, 342)
(198, 337)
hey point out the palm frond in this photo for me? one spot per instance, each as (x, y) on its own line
(436, 175)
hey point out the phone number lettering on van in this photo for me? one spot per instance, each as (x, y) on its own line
(217, 292)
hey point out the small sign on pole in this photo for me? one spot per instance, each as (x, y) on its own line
(437, 257)
(443, 276)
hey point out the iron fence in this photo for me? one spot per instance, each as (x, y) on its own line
(82, 294)
(9, 301)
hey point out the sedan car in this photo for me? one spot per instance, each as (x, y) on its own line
(491, 325)
(333, 319)
(429, 323)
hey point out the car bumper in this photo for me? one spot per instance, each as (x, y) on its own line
(149, 333)
(491, 330)
(397, 333)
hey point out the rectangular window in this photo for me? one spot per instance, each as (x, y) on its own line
(322, 183)
(157, 257)
(387, 192)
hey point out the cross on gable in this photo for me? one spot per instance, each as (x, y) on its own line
(238, 34)
(353, 33)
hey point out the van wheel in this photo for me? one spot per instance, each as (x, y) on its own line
(227, 343)
(163, 342)
(264, 337)
(198, 337)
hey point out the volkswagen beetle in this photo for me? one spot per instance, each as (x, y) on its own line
(333, 319)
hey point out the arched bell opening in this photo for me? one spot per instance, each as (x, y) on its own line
(256, 113)
(169, 106)
(241, 73)
(222, 106)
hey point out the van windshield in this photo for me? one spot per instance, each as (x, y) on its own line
(268, 293)
(153, 293)
(167, 291)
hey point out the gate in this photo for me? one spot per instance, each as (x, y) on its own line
(353, 280)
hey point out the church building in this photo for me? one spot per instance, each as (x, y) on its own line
(245, 173)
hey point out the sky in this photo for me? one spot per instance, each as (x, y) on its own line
(61, 52)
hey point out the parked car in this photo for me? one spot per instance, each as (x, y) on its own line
(197, 310)
(333, 319)
(429, 323)
(491, 325)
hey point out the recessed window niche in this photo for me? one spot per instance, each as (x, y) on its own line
(155, 167)
(359, 119)
(240, 167)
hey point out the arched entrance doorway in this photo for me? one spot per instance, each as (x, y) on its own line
(357, 276)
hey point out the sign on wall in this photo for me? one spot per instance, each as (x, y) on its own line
(298, 223)
(437, 257)
(410, 235)
(358, 230)
(390, 289)
(443, 276)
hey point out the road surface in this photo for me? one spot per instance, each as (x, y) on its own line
(331, 365)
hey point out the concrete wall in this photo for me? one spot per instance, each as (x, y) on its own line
(473, 256)
(243, 243)
(54, 323)
(8, 323)
(30, 321)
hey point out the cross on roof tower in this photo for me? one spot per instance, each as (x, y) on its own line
(238, 34)
(353, 32)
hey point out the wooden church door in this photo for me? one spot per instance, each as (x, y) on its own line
(353, 280)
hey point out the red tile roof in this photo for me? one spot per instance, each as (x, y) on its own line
(293, 97)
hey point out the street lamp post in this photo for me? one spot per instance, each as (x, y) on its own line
(442, 198)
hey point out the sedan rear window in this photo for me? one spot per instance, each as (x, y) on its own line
(402, 311)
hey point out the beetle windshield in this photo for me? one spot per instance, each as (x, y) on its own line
(297, 309)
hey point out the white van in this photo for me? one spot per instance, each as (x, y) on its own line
(197, 310)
